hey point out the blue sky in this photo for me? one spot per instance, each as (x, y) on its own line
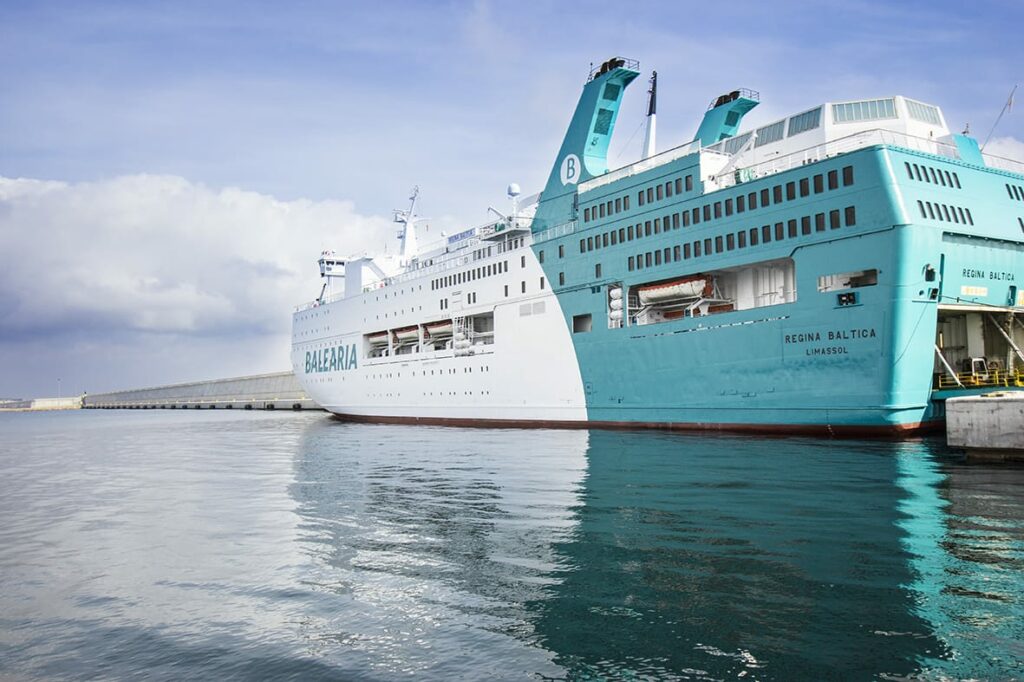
(285, 128)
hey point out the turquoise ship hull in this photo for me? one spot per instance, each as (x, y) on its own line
(821, 362)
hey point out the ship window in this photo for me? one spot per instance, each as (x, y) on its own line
(657, 225)
(805, 225)
(765, 196)
(696, 249)
(600, 210)
(833, 217)
(622, 235)
(647, 259)
(1021, 222)
(741, 204)
(728, 207)
(718, 209)
(956, 218)
(770, 133)
(741, 239)
(791, 228)
(666, 254)
(920, 206)
(866, 110)
(766, 234)
(540, 255)
(522, 261)
(848, 280)
(676, 252)
(730, 241)
(805, 186)
(790, 191)
(660, 191)
(847, 176)
(963, 218)
(970, 220)
(910, 171)
(686, 218)
(542, 282)
(945, 212)
(925, 113)
(833, 179)
(929, 168)
(851, 216)
(523, 286)
(679, 185)
(753, 236)
(956, 180)
(718, 244)
(942, 178)
(604, 240)
(777, 194)
(696, 215)
(657, 257)
(582, 323)
(625, 203)
(931, 213)
(631, 263)
(819, 222)
(707, 246)
(583, 245)
(819, 183)
(707, 212)
(586, 215)
(917, 173)
(687, 253)
(561, 250)
(647, 228)
(689, 183)
(608, 206)
(650, 194)
(752, 200)
(618, 204)
(603, 122)
(614, 237)
(640, 198)
(611, 91)
(809, 120)
(590, 243)
(675, 221)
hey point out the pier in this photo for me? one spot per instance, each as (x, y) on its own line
(989, 426)
(277, 391)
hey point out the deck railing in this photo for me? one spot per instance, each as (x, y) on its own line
(994, 378)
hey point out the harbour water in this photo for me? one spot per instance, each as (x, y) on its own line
(247, 545)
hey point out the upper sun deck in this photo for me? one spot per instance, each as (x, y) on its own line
(820, 132)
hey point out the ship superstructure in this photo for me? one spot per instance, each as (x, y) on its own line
(845, 268)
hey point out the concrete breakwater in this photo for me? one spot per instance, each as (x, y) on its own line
(280, 391)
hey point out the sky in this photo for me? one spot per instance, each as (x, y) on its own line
(170, 172)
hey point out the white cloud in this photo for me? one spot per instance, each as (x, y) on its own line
(148, 256)
(1006, 147)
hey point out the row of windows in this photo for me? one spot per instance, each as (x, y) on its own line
(644, 196)
(865, 110)
(474, 297)
(718, 209)
(470, 275)
(932, 175)
(1015, 192)
(740, 240)
(945, 213)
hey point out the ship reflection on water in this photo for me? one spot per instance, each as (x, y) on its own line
(452, 552)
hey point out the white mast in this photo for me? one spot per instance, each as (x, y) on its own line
(408, 219)
(652, 105)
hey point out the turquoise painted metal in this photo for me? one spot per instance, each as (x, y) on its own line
(723, 118)
(814, 362)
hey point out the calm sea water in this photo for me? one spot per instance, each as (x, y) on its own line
(247, 545)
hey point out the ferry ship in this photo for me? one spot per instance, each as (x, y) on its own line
(842, 270)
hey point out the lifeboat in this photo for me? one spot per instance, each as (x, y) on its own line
(442, 328)
(697, 286)
(378, 338)
(407, 333)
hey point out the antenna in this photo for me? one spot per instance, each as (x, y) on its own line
(652, 107)
(1006, 107)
